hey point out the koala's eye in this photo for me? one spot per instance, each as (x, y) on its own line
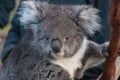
(67, 38)
(47, 38)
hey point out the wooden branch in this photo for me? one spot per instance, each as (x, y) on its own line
(114, 21)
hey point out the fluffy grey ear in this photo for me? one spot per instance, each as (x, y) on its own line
(87, 17)
(32, 11)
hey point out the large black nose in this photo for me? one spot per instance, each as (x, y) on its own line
(56, 45)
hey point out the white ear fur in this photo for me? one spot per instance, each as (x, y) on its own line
(87, 17)
(32, 11)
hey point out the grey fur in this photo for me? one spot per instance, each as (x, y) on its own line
(47, 22)
(94, 54)
(26, 63)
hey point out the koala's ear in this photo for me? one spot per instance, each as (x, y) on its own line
(32, 11)
(87, 18)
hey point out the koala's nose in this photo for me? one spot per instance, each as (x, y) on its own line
(56, 45)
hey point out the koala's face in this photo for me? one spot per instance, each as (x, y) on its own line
(61, 37)
(63, 27)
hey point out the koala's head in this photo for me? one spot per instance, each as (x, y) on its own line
(59, 30)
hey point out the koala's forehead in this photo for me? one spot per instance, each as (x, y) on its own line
(59, 20)
(60, 27)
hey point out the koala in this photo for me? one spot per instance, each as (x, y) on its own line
(59, 34)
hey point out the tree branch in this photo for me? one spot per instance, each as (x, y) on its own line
(114, 20)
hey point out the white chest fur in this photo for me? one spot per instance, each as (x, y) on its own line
(71, 64)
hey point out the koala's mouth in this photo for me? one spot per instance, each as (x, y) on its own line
(56, 55)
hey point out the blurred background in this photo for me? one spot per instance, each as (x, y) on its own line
(4, 31)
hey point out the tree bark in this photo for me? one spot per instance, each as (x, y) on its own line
(114, 21)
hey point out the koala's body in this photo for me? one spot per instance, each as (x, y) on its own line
(60, 34)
